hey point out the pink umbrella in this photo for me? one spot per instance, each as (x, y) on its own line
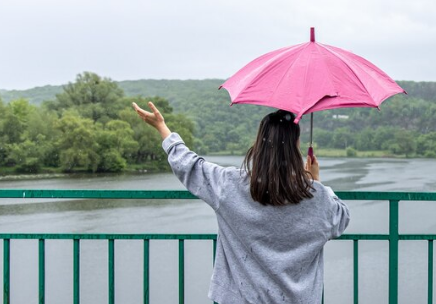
(311, 77)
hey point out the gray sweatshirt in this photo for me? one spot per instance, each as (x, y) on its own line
(265, 254)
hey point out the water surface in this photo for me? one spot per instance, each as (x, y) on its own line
(193, 216)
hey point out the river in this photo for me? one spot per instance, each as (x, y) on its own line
(193, 216)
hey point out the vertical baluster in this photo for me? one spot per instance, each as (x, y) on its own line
(76, 270)
(393, 251)
(430, 271)
(356, 270)
(146, 287)
(214, 255)
(181, 271)
(6, 271)
(41, 271)
(214, 251)
(111, 269)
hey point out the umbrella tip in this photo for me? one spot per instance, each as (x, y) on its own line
(312, 34)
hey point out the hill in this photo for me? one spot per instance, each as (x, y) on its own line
(176, 90)
(218, 127)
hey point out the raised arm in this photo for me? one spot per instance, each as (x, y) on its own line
(201, 178)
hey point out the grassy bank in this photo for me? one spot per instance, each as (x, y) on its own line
(343, 153)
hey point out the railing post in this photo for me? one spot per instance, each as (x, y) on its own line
(214, 255)
(41, 271)
(393, 251)
(111, 269)
(214, 250)
(146, 271)
(356, 270)
(76, 270)
(6, 271)
(430, 272)
(181, 271)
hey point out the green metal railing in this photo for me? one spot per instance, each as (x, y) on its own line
(393, 238)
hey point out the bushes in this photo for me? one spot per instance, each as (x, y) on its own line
(351, 152)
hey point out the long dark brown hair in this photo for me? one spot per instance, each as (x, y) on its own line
(275, 163)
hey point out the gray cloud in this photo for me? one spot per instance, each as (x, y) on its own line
(49, 42)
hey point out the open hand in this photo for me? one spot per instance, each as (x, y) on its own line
(154, 118)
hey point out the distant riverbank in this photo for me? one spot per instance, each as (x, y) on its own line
(48, 173)
(335, 153)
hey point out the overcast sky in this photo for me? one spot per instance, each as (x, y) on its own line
(51, 41)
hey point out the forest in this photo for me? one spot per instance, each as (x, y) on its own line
(88, 125)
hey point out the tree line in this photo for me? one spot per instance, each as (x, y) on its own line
(405, 125)
(89, 124)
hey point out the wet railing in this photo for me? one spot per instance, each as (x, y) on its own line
(393, 238)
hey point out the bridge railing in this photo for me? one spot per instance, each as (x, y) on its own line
(393, 198)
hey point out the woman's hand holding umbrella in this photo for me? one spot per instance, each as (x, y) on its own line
(154, 119)
(312, 166)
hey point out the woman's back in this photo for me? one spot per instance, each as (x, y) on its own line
(265, 254)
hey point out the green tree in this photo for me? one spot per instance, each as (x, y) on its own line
(11, 128)
(116, 144)
(426, 145)
(77, 143)
(182, 125)
(121, 135)
(323, 138)
(111, 161)
(25, 157)
(93, 97)
(365, 140)
(22, 109)
(403, 143)
(382, 137)
(14, 123)
(342, 138)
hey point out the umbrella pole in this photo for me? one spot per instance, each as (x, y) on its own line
(310, 151)
(311, 129)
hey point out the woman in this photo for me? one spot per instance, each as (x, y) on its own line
(274, 216)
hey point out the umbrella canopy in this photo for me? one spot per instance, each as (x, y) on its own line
(310, 77)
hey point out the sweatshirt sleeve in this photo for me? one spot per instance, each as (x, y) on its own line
(203, 179)
(340, 214)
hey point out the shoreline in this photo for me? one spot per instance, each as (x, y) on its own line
(9, 176)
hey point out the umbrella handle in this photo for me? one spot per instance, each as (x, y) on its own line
(310, 153)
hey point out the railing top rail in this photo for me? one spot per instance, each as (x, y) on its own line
(396, 196)
(183, 194)
(107, 236)
(168, 236)
(97, 194)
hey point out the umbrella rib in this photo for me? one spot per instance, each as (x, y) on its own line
(327, 66)
(314, 103)
(349, 67)
(281, 80)
(255, 78)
